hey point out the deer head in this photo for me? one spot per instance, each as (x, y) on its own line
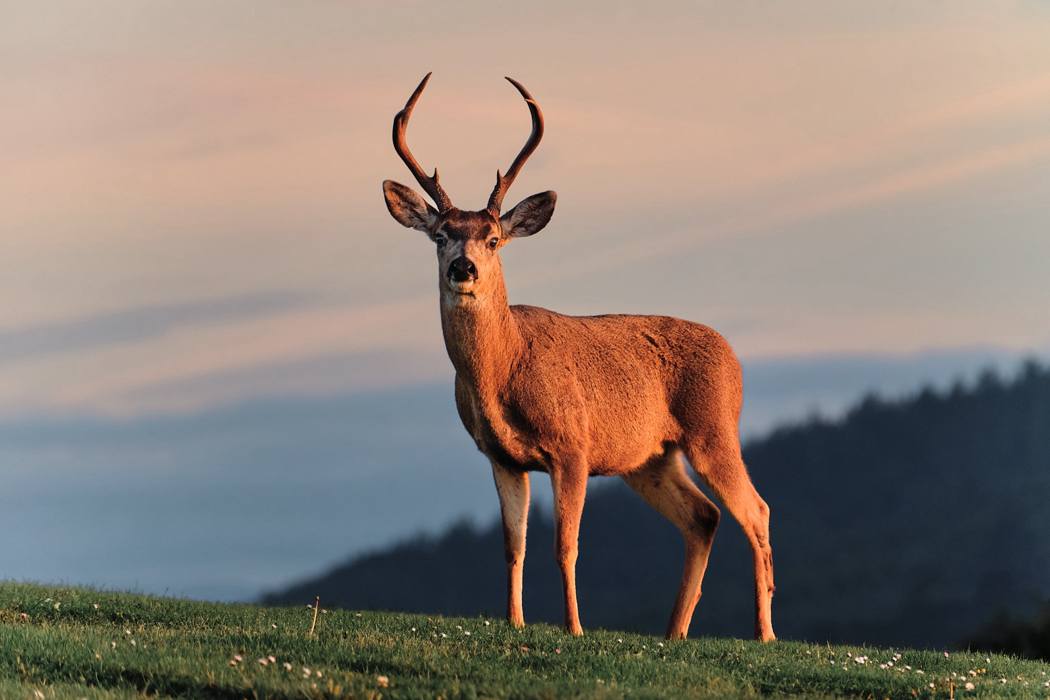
(468, 242)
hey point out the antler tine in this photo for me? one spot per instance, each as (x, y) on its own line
(503, 182)
(429, 183)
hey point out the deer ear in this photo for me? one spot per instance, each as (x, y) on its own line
(530, 215)
(408, 208)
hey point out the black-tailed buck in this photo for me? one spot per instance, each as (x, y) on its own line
(582, 396)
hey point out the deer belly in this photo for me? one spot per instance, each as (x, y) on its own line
(622, 446)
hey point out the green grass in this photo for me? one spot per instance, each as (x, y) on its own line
(81, 643)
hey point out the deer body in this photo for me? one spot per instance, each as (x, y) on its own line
(612, 391)
(575, 397)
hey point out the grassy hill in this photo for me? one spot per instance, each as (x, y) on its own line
(79, 643)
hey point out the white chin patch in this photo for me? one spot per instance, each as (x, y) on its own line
(461, 288)
(458, 295)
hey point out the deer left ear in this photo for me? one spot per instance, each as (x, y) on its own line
(530, 215)
(408, 208)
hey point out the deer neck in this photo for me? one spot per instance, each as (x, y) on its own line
(482, 337)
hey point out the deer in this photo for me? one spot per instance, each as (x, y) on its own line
(579, 396)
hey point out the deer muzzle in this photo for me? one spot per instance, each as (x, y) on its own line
(462, 272)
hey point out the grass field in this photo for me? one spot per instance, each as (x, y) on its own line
(81, 643)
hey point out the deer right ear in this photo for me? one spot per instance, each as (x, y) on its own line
(530, 215)
(408, 208)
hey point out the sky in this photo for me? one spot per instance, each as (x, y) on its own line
(192, 237)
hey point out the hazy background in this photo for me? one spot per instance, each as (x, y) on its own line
(220, 360)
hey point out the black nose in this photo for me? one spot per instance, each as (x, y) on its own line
(462, 270)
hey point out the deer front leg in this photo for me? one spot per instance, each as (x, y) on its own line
(570, 489)
(513, 489)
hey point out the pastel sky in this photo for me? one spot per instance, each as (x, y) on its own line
(191, 217)
(191, 190)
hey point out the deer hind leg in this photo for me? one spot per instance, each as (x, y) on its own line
(666, 487)
(570, 490)
(721, 466)
(513, 489)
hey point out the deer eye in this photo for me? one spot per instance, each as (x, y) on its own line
(493, 243)
(440, 240)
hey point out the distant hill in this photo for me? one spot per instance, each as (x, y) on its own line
(909, 522)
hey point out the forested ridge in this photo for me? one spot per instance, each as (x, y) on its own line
(914, 521)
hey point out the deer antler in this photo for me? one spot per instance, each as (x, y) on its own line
(503, 182)
(429, 184)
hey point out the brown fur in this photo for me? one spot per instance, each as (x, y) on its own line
(582, 396)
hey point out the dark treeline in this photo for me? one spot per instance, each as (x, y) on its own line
(1007, 634)
(911, 522)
